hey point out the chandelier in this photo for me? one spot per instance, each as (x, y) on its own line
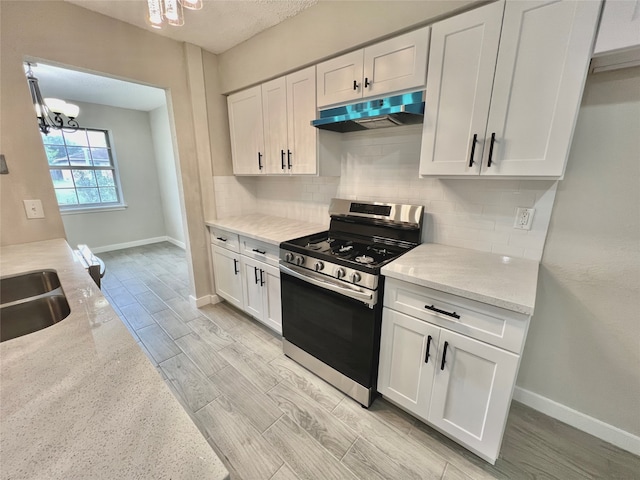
(51, 112)
(169, 11)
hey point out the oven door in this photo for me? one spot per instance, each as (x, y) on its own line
(340, 331)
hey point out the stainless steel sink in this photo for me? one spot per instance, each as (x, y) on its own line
(32, 315)
(30, 302)
(25, 285)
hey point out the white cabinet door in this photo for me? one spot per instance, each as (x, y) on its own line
(272, 300)
(472, 392)
(462, 62)
(274, 115)
(340, 79)
(397, 64)
(408, 355)
(619, 26)
(542, 65)
(252, 291)
(228, 275)
(301, 109)
(247, 135)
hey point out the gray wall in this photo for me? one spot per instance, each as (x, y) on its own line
(134, 153)
(583, 348)
(167, 175)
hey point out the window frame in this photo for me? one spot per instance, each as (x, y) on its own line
(113, 167)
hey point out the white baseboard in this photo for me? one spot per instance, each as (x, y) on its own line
(204, 300)
(177, 243)
(137, 243)
(618, 437)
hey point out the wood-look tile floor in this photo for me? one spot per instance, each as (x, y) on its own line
(269, 418)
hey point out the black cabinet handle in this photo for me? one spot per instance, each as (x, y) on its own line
(261, 252)
(235, 267)
(493, 140)
(444, 355)
(259, 161)
(221, 239)
(255, 272)
(426, 357)
(444, 312)
(289, 159)
(282, 159)
(473, 148)
(355, 85)
(261, 277)
(367, 83)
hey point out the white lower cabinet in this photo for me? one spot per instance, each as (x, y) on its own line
(262, 292)
(460, 385)
(227, 274)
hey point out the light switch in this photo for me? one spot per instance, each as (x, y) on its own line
(33, 208)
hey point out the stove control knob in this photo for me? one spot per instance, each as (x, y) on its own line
(318, 266)
(288, 257)
(355, 277)
(340, 273)
(299, 260)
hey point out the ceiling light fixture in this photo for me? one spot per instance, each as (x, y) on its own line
(169, 11)
(51, 112)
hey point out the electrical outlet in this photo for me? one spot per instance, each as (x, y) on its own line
(524, 218)
(33, 208)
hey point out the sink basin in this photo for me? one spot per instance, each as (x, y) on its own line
(25, 285)
(30, 316)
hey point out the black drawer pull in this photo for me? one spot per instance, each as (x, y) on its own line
(261, 252)
(289, 159)
(259, 161)
(235, 267)
(355, 85)
(367, 83)
(282, 159)
(473, 148)
(261, 277)
(493, 140)
(221, 239)
(426, 357)
(444, 355)
(255, 272)
(443, 312)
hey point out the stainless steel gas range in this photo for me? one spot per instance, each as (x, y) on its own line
(332, 291)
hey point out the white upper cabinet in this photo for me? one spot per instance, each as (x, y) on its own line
(530, 111)
(619, 26)
(246, 129)
(618, 41)
(274, 116)
(461, 67)
(395, 65)
(302, 154)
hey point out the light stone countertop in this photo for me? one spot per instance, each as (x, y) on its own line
(497, 280)
(267, 228)
(81, 400)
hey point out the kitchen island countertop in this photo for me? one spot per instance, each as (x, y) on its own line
(81, 400)
(498, 280)
(267, 228)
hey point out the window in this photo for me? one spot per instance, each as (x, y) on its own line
(82, 169)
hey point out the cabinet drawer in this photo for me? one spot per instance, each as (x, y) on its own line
(261, 251)
(493, 325)
(225, 239)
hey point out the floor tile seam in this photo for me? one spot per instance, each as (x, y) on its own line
(281, 466)
(167, 332)
(349, 449)
(168, 358)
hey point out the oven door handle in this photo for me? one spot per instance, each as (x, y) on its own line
(352, 292)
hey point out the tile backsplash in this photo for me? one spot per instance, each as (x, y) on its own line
(382, 165)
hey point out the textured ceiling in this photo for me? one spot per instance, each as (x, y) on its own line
(84, 87)
(220, 25)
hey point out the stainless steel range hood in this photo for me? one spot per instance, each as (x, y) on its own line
(405, 109)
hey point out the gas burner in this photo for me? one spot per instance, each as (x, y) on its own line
(314, 246)
(380, 251)
(364, 259)
(345, 248)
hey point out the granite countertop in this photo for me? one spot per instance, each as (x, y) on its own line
(497, 280)
(267, 228)
(81, 400)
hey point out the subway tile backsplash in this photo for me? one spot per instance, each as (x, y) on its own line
(382, 166)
